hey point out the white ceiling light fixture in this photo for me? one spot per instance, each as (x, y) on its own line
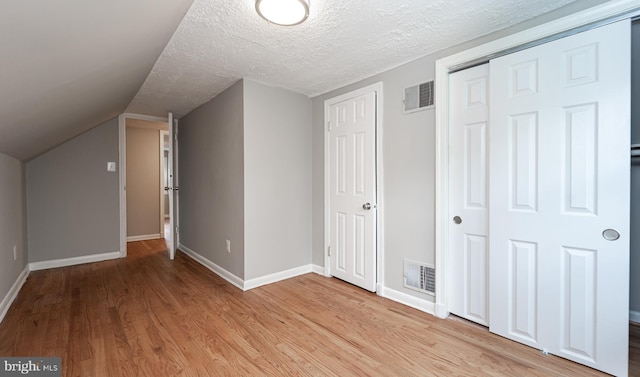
(283, 12)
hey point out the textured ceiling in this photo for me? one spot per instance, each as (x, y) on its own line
(67, 65)
(222, 41)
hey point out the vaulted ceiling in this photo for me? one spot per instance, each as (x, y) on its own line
(68, 65)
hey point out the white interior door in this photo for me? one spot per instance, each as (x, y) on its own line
(559, 202)
(469, 196)
(173, 187)
(352, 185)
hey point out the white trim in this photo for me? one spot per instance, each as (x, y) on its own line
(378, 89)
(144, 237)
(8, 299)
(174, 160)
(122, 194)
(316, 269)
(55, 263)
(226, 275)
(408, 300)
(276, 277)
(122, 155)
(634, 316)
(442, 68)
(172, 242)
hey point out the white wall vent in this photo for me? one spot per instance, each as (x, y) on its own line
(420, 277)
(419, 97)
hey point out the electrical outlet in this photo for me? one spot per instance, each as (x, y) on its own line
(15, 252)
(228, 246)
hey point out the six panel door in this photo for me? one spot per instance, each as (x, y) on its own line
(352, 198)
(559, 212)
(468, 276)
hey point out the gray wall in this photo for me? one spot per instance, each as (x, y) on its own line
(408, 143)
(72, 201)
(211, 169)
(12, 222)
(143, 182)
(634, 301)
(277, 179)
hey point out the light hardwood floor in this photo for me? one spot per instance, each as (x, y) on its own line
(147, 316)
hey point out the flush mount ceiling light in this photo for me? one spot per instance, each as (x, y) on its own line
(283, 12)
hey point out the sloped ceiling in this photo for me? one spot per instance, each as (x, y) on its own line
(221, 41)
(68, 65)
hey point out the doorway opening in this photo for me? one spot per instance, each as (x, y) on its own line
(146, 180)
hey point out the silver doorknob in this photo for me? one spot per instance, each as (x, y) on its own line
(366, 206)
(457, 219)
(167, 188)
(610, 234)
(176, 188)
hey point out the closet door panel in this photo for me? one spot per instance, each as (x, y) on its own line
(559, 197)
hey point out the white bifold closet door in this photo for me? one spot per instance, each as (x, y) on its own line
(559, 197)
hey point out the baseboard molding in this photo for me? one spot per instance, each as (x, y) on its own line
(408, 300)
(144, 237)
(634, 316)
(35, 266)
(318, 270)
(276, 277)
(226, 275)
(6, 302)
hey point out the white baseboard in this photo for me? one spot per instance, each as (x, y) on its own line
(634, 316)
(318, 270)
(278, 276)
(405, 299)
(35, 266)
(6, 302)
(226, 275)
(144, 237)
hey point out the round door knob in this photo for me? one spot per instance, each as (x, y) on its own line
(457, 220)
(366, 206)
(610, 234)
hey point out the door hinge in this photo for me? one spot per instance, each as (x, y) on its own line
(175, 136)
(177, 229)
(329, 126)
(329, 251)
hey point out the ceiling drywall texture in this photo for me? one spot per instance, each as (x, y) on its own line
(68, 65)
(220, 42)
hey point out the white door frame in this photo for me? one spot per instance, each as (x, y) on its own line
(377, 87)
(613, 11)
(122, 146)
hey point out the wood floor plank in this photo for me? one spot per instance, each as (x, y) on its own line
(145, 315)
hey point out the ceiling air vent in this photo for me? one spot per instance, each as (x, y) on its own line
(420, 277)
(418, 97)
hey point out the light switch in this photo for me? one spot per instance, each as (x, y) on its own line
(111, 166)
